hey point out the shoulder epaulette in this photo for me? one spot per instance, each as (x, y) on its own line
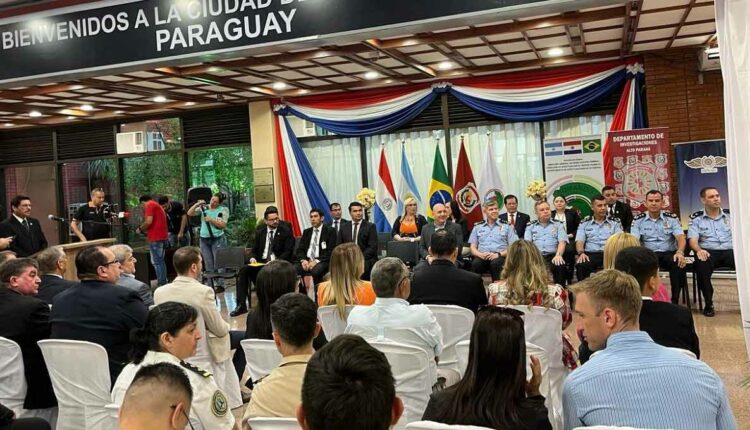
(726, 211)
(695, 215)
(639, 216)
(499, 220)
(588, 218)
(536, 221)
(555, 220)
(196, 369)
(480, 222)
(670, 214)
(614, 218)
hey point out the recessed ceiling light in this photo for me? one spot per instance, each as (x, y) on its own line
(87, 108)
(9, 124)
(279, 86)
(160, 99)
(214, 69)
(555, 52)
(409, 42)
(35, 114)
(445, 65)
(372, 75)
(119, 112)
(303, 91)
(76, 87)
(189, 103)
(389, 81)
(71, 117)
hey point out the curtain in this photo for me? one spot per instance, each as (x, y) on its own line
(336, 163)
(587, 125)
(517, 149)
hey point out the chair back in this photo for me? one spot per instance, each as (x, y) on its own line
(273, 423)
(543, 328)
(408, 252)
(331, 321)
(12, 380)
(456, 323)
(413, 384)
(232, 257)
(262, 357)
(685, 352)
(80, 377)
(383, 239)
(431, 425)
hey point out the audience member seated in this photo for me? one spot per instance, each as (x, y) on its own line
(616, 243)
(24, 319)
(97, 309)
(52, 264)
(349, 385)
(124, 254)
(8, 421)
(314, 249)
(7, 255)
(457, 217)
(442, 283)
(392, 317)
(346, 286)
(633, 381)
(440, 222)
(158, 398)
(295, 324)
(170, 336)
(489, 241)
(363, 233)
(494, 393)
(526, 281)
(408, 226)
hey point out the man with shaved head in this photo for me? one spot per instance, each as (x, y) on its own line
(439, 222)
(159, 398)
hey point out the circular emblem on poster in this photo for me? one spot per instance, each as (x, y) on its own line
(467, 198)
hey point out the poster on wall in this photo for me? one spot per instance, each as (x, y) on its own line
(641, 163)
(700, 164)
(574, 169)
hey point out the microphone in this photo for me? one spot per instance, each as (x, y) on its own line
(56, 218)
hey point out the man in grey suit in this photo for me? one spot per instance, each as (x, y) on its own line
(124, 255)
(440, 222)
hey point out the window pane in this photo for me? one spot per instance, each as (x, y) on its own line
(39, 183)
(227, 170)
(149, 136)
(588, 125)
(337, 165)
(80, 178)
(154, 174)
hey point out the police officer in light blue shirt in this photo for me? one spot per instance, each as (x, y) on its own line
(710, 237)
(489, 241)
(661, 232)
(549, 236)
(592, 234)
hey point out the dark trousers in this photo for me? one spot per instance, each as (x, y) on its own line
(481, 266)
(704, 270)
(245, 279)
(677, 275)
(559, 273)
(570, 259)
(318, 272)
(26, 424)
(595, 263)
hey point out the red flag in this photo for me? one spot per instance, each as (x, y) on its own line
(466, 193)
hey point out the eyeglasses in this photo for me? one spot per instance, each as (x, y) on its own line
(185, 415)
(111, 262)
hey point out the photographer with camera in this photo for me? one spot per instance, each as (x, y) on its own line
(214, 220)
(91, 221)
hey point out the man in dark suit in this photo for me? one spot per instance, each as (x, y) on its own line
(668, 324)
(517, 220)
(24, 319)
(363, 233)
(314, 250)
(27, 234)
(52, 265)
(273, 241)
(97, 309)
(336, 220)
(617, 209)
(442, 283)
(440, 222)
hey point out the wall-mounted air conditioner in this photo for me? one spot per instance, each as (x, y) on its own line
(128, 143)
(709, 59)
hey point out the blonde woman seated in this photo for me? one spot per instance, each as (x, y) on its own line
(346, 286)
(616, 243)
(408, 226)
(525, 280)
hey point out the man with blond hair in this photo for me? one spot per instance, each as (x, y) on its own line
(633, 381)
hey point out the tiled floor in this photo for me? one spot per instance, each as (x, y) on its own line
(721, 339)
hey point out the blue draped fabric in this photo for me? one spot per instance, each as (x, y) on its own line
(639, 119)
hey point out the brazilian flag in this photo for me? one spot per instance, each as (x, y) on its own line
(440, 186)
(592, 145)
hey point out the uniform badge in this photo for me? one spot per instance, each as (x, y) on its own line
(219, 404)
(666, 224)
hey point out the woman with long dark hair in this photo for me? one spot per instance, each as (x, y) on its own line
(170, 335)
(494, 393)
(275, 279)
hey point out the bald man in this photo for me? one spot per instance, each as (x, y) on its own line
(440, 222)
(158, 399)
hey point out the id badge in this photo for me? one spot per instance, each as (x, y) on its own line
(322, 245)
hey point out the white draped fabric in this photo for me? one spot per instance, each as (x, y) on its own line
(337, 165)
(732, 18)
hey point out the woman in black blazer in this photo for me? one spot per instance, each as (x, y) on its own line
(457, 217)
(571, 218)
(408, 227)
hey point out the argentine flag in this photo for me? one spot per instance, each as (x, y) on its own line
(407, 186)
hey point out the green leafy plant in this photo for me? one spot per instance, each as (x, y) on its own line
(243, 233)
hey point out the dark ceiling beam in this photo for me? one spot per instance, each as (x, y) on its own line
(682, 22)
(400, 56)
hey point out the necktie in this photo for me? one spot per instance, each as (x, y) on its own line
(356, 232)
(336, 225)
(313, 254)
(269, 241)
(612, 210)
(512, 219)
(26, 224)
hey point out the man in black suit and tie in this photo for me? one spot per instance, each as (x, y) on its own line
(97, 309)
(314, 250)
(273, 241)
(336, 220)
(363, 233)
(52, 264)
(617, 209)
(517, 220)
(24, 319)
(27, 234)
(440, 222)
(441, 282)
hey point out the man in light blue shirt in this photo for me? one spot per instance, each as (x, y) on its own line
(549, 236)
(489, 241)
(592, 234)
(633, 381)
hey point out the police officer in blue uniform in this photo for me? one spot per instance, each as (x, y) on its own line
(661, 232)
(549, 236)
(710, 237)
(591, 236)
(489, 241)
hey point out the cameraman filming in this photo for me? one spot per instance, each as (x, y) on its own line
(214, 218)
(91, 221)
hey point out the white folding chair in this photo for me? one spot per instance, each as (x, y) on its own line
(80, 377)
(13, 383)
(262, 357)
(270, 423)
(684, 351)
(431, 425)
(462, 356)
(455, 323)
(331, 321)
(413, 382)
